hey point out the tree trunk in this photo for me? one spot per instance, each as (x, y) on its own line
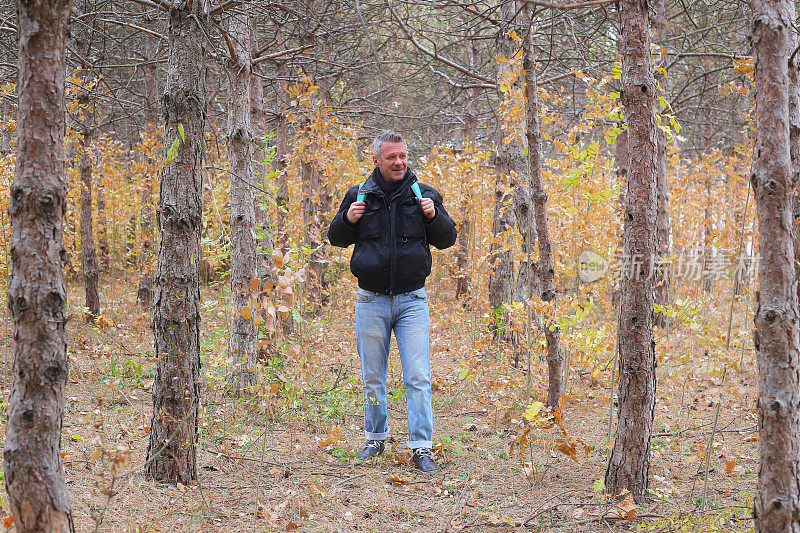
(622, 161)
(102, 230)
(465, 224)
(264, 229)
(281, 151)
(629, 465)
(777, 500)
(176, 314)
(312, 237)
(794, 151)
(37, 298)
(242, 346)
(707, 275)
(509, 165)
(555, 361)
(662, 184)
(90, 275)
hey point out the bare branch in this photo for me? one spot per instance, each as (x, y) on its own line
(163, 5)
(224, 7)
(435, 55)
(282, 53)
(578, 5)
(135, 27)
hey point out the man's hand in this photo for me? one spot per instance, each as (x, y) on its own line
(356, 211)
(427, 208)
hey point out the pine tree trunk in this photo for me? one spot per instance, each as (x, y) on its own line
(662, 184)
(777, 500)
(264, 226)
(171, 453)
(242, 346)
(281, 151)
(37, 298)
(465, 224)
(794, 151)
(312, 236)
(629, 465)
(622, 161)
(509, 166)
(90, 276)
(102, 230)
(555, 361)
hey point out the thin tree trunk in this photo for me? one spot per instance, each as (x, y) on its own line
(312, 236)
(777, 500)
(465, 224)
(629, 464)
(555, 361)
(662, 184)
(281, 151)
(90, 276)
(37, 298)
(509, 165)
(102, 229)
(264, 226)
(242, 346)
(171, 453)
(707, 275)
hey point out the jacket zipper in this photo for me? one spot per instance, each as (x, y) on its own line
(393, 247)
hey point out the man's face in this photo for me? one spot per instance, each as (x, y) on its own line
(393, 161)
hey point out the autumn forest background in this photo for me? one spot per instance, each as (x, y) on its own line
(206, 147)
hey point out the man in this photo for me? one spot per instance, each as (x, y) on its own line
(392, 219)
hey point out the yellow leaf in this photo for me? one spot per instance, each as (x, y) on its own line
(246, 313)
(532, 410)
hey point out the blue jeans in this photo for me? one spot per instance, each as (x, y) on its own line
(376, 316)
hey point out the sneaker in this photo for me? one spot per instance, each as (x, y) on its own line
(423, 459)
(371, 449)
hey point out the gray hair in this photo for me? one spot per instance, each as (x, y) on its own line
(385, 136)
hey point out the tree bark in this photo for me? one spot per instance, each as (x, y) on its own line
(264, 229)
(509, 164)
(662, 279)
(555, 361)
(622, 161)
(90, 275)
(794, 152)
(102, 230)
(629, 464)
(242, 345)
(171, 453)
(37, 298)
(281, 150)
(312, 222)
(465, 224)
(777, 500)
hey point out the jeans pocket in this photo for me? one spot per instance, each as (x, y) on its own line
(419, 294)
(363, 297)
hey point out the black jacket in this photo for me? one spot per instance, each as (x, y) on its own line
(391, 255)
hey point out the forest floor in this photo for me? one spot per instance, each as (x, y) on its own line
(283, 457)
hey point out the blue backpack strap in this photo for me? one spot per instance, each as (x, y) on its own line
(414, 187)
(417, 193)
